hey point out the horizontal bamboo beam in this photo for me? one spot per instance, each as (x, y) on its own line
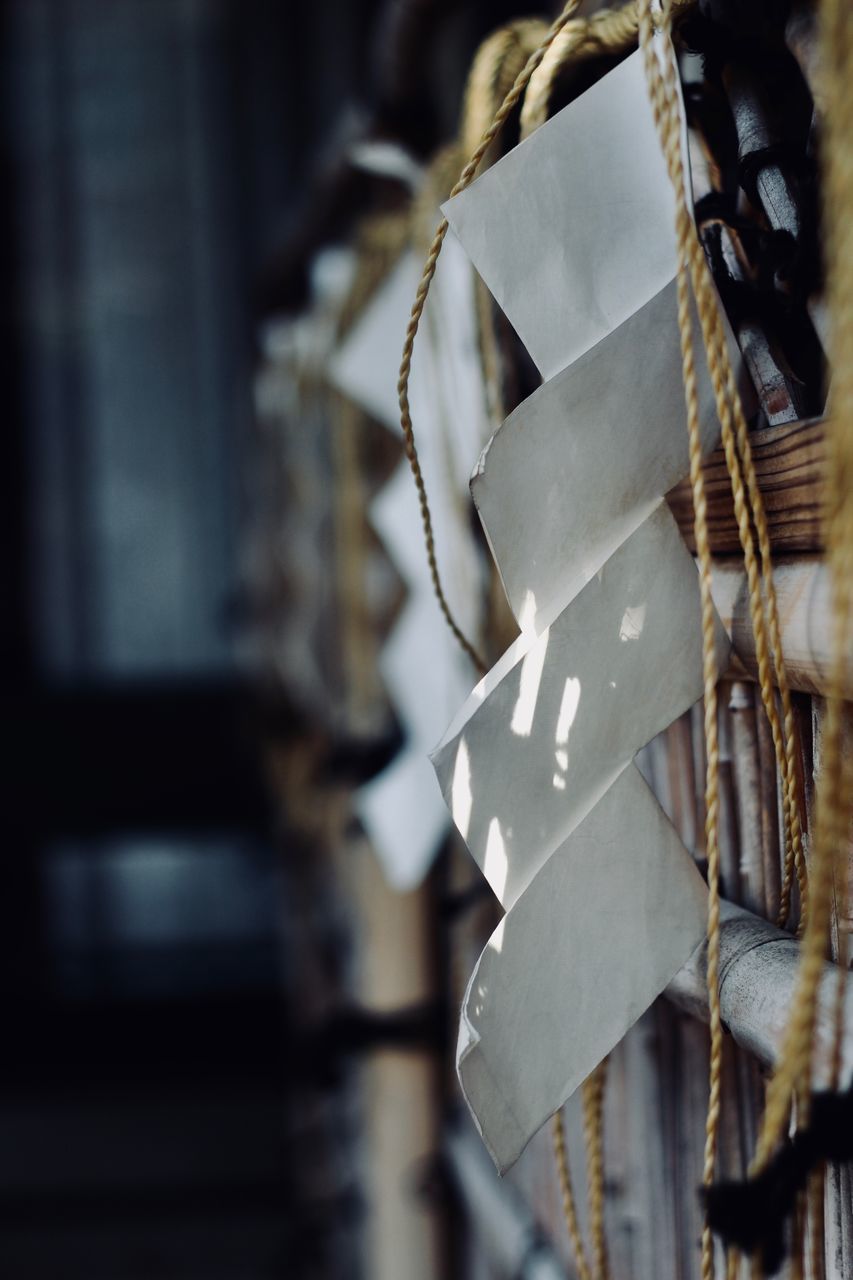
(805, 618)
(789, 464)
(758, 968)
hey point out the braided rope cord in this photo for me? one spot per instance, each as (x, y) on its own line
(668, 125)
(468, 173)
(570, 1212)
(593, 1127)
(611, 31)
(740, 465)
(465, 178)
(835, 785)
(499, 61)
(608, 31)
(766, 629)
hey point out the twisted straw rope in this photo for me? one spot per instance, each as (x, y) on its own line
(608, 31)
(499, 61)
(766, 630)
(496, 67)
(664, 105)
(593, 1127)
(465, 178)
(570, 1212)
(835, 786)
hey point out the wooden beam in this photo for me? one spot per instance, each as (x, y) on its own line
(805, 619)
(789, 463)
(758, 970)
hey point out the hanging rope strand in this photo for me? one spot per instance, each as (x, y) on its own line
(739, 459)
(593, 1126)
(567, 1196)
(668, 125)
(834, 785)
(465, 178)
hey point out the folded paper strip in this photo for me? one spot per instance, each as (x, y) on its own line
(600, 931)
(573, 234)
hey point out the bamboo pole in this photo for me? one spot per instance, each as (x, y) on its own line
(758, 967)
(745, 762)
(802, 590)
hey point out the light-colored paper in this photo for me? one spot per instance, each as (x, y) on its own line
(425, 678)
(405, 818)
(536, 746)
(590, 286)
(597, 935)
(445, 384)
(573, 231)
(424, 671)
(584, 460)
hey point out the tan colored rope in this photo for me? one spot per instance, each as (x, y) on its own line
(740, 465)
(499, 61)
(608, 31)
(612, 31)
(835, 785)
(592, 1092)
(570, 1212)
(666, 117)
(748, 503)
(465, 178)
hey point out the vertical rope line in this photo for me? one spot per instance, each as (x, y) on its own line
(668, 125)
(736, 447)
(730, 414)
(593, 1124)
(738, 454)
(468, 173)
(834, 786)
(795, 858)
(570, 1212)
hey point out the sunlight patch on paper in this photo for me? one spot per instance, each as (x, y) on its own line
(461, 799)
(631, 626)
(495, 864)
(528, 688)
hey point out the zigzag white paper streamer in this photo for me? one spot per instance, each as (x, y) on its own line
(573, 233)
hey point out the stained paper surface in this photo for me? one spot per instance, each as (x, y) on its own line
(601, 930)
(537, 745)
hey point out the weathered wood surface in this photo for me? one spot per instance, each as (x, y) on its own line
(789, 463)
(804, 598)
(758, 967)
